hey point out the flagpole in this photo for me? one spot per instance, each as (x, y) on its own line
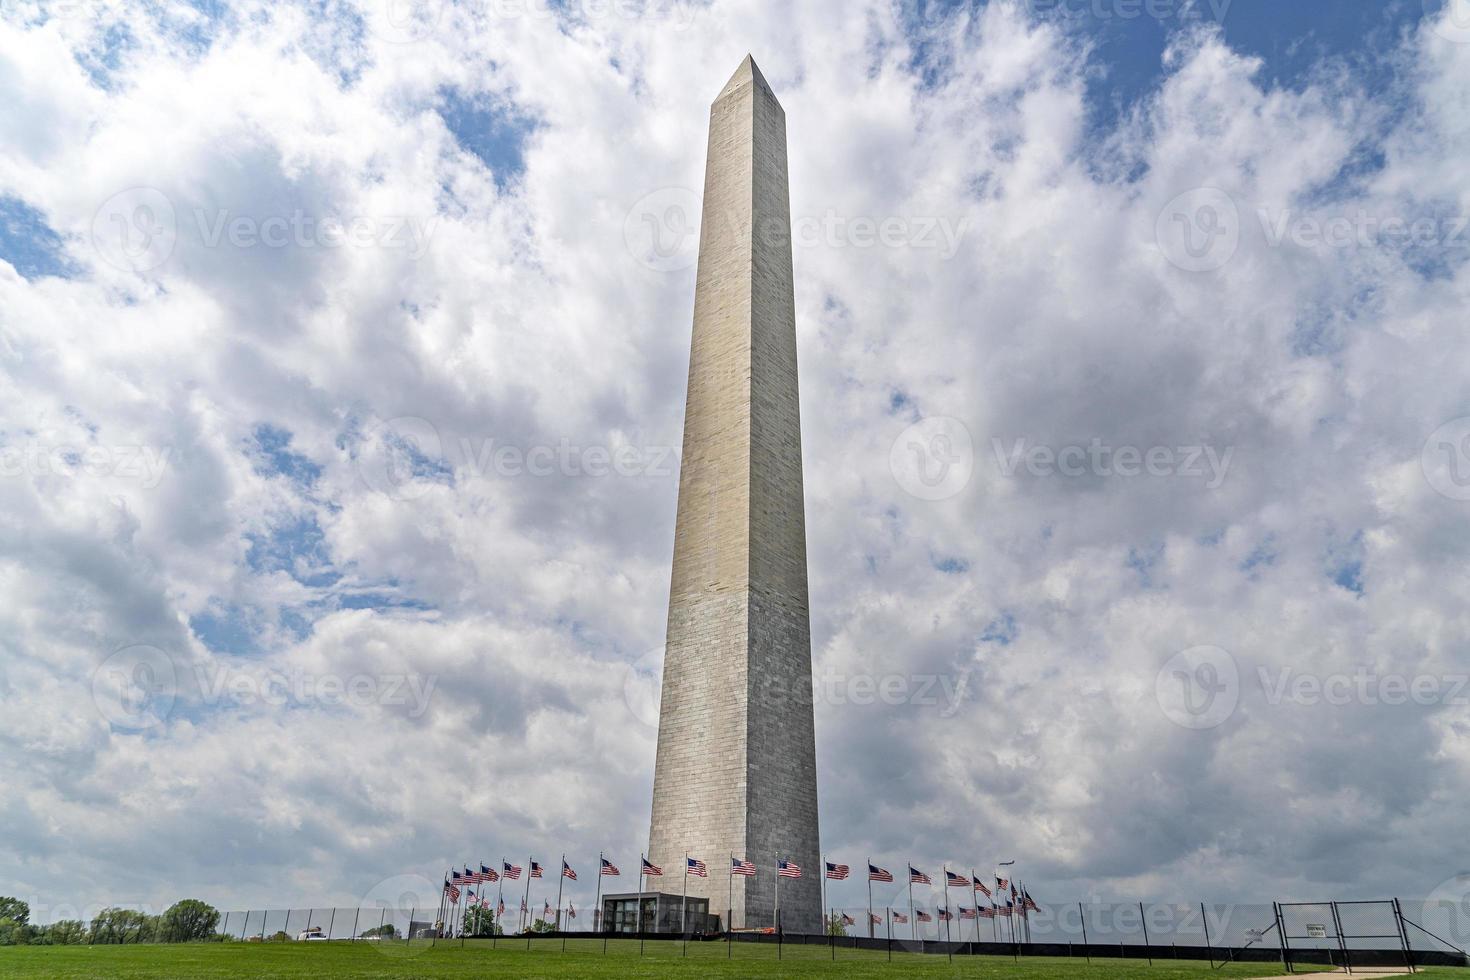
(499, 903)
(870, 898)
(823, 884)
(778, 894)
(730, 898)
(560, 878)
(684, 901)
(913, 919)
(597, 902)
(642, 864)
(443, 898)
(947, 936)
(526, 902)
(995, 927)
(973, 897)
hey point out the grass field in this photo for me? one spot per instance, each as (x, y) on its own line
(584, 958)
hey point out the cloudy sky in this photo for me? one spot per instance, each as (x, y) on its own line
(343, 349)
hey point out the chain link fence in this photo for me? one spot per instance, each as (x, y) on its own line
(1365, 933)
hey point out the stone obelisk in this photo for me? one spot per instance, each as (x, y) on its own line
(736, 772)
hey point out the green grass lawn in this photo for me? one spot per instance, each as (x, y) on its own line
(583, 958)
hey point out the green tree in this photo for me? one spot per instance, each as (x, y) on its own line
(14, 933)
(115, 925)
(387, 931)
(67, 932)
(15, 910)
(541, 925)
(481, 922)
(188, 921)
(835, 925)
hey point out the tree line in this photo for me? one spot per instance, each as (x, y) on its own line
(183, 922)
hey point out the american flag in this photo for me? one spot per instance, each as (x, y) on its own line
(488, 874)
(1028, 903)
(944, 915)
(980, 887)
(966, 913)
(697, 868)
(523, 903)
(511, 871)
(1001, 883)
(953, 880)
(452, 892)
(457, 878)
(535, 870)
(788, 869)
(470, 896)
(473, 876)
(608, 868)
(571, 912)
(739, 867)
(566, 870)
(546, 908)
(900, 917)
(650, 869)
(837, 872)
(876, 873)
(988, 912)
(500, 909)
(877, 919)
(923, 916)
(848, 920)
(917, 877)
(1004, 910)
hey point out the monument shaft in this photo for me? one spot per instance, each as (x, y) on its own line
(736, 768)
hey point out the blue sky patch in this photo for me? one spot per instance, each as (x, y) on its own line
(1001, 631)
(950, 565)
(227, 628)
(29, 243)
(297, 547)
(271, 455)
(491, 130)
(1344, 562)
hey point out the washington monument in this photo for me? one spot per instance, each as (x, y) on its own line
(736, 773)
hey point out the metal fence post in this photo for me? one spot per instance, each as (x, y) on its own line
(357, 914)
(1143, 918)
(411, 913)
(1341, 941)
(1082, 914)
(1398, 918)
(1205, 917)
(332, 924)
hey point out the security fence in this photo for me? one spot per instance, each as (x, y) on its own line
(1383, 933)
